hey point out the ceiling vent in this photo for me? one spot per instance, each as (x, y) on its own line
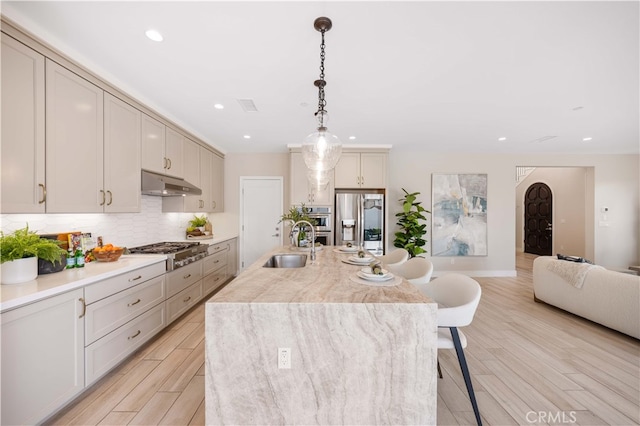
(247, 105)
(542, 139)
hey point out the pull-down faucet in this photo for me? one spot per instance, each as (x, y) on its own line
(313, 237)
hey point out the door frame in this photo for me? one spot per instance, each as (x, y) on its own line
(243, 179)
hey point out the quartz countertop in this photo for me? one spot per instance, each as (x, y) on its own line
(325, 280)
(15, 295)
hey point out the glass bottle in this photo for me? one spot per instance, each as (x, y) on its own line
(79, 258)
(71, 259)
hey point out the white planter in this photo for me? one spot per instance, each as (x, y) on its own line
(19, 271)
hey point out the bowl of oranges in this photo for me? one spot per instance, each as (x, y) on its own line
(107, 253)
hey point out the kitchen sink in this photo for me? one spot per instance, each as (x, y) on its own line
(286, 261)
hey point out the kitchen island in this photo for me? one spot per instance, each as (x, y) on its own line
(357, 353)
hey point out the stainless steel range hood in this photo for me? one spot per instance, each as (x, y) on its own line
(166, 186)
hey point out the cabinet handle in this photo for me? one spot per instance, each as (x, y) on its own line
(84, 307)
(135, 279)
(44, 194)
(361, 180)
(186, 276)
(134, 303)
(110, 198)
(103, 197)
(187, 299)
(169, 162)
(217, 248)
(217, 261)
(134, 336)
(164, 165)
(215, 204)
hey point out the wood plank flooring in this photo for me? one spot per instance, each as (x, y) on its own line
(530, 364)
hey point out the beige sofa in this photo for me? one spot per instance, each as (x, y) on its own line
(607, 297)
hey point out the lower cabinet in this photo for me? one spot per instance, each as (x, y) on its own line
(181, 302)
(105, 353)
(42, 357)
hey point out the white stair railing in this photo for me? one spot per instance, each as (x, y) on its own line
(522, 173)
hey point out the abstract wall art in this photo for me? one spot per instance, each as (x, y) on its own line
(459, 214)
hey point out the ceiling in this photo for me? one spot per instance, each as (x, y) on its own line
(425, 76)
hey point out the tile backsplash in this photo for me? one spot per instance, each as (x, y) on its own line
(126, 229)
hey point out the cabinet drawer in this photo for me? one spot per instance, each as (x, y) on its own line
(182, 278)
(214, 280)
(214, 262)
(181, 302)
(108, 314)
(215, 248)
(107, 352)
(106, 288)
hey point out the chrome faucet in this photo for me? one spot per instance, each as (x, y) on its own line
(313, 237)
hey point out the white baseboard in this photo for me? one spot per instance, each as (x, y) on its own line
(480, 274)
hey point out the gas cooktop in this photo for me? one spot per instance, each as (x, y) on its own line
(178, 253)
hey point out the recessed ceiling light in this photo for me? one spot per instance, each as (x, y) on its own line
(154, 35)
(352, 137)
(247, 136)
(218, 106)
(502, 138)
(578, 108)
(587, 139)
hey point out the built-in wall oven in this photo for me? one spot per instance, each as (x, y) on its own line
(323, 224)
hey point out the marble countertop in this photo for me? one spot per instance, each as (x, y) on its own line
(326, 280)
(16, 295)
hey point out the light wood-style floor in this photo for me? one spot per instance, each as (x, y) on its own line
(530, 364)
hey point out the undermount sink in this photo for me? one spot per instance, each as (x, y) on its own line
(286, 261)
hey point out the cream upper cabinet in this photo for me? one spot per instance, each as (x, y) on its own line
(361, 170)
(42, 357)
(23, 142)
(191, 162)
(74, 147)
(153, 144)
(302, 191)
(174, 153)
(122, 134)
(200, 162)
(217, 184)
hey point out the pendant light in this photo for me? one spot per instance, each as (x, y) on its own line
(321, 150)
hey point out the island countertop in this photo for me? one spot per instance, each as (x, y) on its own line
(328, 279)
(312, 346)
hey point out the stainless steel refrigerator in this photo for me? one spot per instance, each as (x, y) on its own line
(359, 219)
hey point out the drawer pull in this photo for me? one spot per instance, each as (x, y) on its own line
(84, 307)
(134, 303)
(217, 261)
(186, 276)
(134, 336)
(187, 299)
(136, 278)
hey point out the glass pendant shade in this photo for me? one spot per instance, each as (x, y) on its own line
(319, 179)
(321, 150)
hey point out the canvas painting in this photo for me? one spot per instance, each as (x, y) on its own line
(459, 215)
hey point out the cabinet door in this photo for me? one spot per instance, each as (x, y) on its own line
(191, 165)
(347, 171)
(174, 145)
(153, 141)
(23, 143)
(217, 184)
(121, 156)
(299, 184)
(42, 358)
(232, 257)
(373, 170)
(206, 179)
(74, 148)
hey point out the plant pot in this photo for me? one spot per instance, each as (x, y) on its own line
(19, 271)
(46, 267)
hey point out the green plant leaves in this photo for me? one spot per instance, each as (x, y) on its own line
(24, 243)
(411, 236)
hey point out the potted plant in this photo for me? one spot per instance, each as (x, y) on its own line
(412, 231)
(19, 254)
(294, 215)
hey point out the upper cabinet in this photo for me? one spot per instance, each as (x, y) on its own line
(302, 191)
(74, 148)
(361, 170)
(122, 134)
(23, 128)
(210, 180)
(162, 148)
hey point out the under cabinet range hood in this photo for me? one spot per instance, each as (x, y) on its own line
(166, 186)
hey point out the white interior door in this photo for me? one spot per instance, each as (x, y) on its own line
(261, 201)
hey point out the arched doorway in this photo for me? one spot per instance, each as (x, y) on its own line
(538, 223)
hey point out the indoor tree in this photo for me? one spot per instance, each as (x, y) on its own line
(412, 231)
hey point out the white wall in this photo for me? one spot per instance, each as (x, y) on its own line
(615, 181)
